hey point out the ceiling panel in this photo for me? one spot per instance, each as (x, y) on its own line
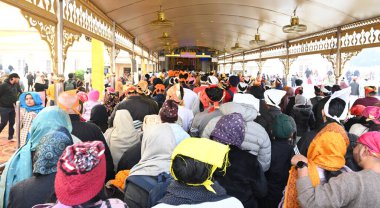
(219, 23)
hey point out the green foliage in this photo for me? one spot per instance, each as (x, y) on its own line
(79, 74)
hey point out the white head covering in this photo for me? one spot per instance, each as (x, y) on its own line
(212, 80)
(157, 147)
(324, 90)
(247, 99)
(122, 136)
(242, 87)
(273, 97)
(344, 95)
(300, 100)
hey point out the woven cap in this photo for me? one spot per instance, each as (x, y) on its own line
(81, 173)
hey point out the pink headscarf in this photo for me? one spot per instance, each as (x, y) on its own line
(372, 113)
(372, 141)
(93, 95)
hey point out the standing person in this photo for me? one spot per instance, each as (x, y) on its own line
(8, 98)
(31, 105)
(70, 84)
(30, 79)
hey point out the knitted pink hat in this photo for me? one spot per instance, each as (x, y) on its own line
(93, 95)
(81, 173)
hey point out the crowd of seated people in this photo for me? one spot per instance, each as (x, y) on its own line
(185, 139)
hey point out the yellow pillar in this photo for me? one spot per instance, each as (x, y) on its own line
(97, 75)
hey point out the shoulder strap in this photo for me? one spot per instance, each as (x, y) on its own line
(145, 182)
(230, 92)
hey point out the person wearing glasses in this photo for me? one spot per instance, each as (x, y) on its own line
(354, 189)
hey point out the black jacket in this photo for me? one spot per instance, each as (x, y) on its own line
(138, 107)
(278, 173)
(32, 191)
(130, 157)
(244, 179)
(268, 114)
(40, 87)
(90, 132)
(304, 118)
(8, 94)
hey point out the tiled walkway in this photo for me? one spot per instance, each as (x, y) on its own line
(6, 148)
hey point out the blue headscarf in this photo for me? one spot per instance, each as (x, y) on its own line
(49, 150)
(19, 167)
(37, 102)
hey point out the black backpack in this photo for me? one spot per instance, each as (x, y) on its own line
(155, 185)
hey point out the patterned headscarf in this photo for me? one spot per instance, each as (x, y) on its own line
(230, 130)
(169, 112)
(49, 150)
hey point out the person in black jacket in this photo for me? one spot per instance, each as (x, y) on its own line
(137, 103)
(9, 91)
(39, 188)
(284, 128)
(85, 131)
(244, 178)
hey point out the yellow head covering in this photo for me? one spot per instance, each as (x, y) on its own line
(206, 151)
(326, 151)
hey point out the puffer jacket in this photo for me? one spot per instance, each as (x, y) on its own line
(304, 118)
(256, 139)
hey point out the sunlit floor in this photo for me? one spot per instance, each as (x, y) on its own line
(6, 148)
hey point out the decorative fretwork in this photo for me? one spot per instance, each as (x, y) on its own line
(69, 38)
(285, 62)
(47, 5)
(345, 57)
(313, 46)
(371, 36)
(273, 52)
(361, 24)
(123, 41)
(78, 13)
(47, 31)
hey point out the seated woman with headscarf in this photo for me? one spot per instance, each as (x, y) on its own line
(244, 178)
(19, 167)
(39, 188)
(30, 106)
(157, 145)
(121, 136)
(194, 162)
(99, 117)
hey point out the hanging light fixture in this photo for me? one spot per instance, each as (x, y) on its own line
(165, 37)
(295, 25)
(237, 46)
(161, 21)
(257, 40)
